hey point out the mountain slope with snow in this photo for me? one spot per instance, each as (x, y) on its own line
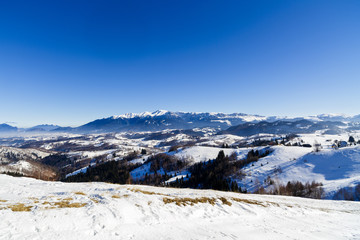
(335, 169)
(25, 162)
(162, 119)
(33, 209)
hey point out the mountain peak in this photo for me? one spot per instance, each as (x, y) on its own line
(142, 114)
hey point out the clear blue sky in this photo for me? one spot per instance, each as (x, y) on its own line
(70, 62)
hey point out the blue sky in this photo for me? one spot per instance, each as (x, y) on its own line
(70, 62)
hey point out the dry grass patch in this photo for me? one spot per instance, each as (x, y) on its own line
(145, 192)
(189, 201)
(20, 207)
(225, 201)
(67, 204)
(249, 201)
(95, 200)
(46, 203)
(80, 193)
(120, 196)
(3, 200)
(50, 207)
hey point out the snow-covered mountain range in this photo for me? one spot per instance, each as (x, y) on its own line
(162, 119)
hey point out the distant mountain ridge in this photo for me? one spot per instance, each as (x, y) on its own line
(285, 127)
(42, 128)
(7, 128)
(163, 119)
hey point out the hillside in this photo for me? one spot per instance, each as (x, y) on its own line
(335, 169)
(34, 209)
(26, 162)
(285, 127)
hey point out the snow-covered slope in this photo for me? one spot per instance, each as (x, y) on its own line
(54, 210)
(334, 168)
(162, 119)
(8, 154)
(25, 162)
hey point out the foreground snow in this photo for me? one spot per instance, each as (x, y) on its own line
(108, 211)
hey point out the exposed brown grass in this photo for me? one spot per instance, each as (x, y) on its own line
(64, 203)
(249, 201)
(145, 192)
(3, 200)
(115, 196)
(46, 203)
(225, 201)
(67, 204)
(50, 207)
(20, 207)
(80, 193)
(95, 200)
(189, 201)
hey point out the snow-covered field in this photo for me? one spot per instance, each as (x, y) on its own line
(55, 210)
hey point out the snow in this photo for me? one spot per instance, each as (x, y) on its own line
(141, 171)
(334, 168)
(113, 211)
(92, 154)
(26, 154)
(81, 170)
(219, 140)
(173, 179)
(141, 115)
(19, 167)
(201, 153)
(222, 121)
